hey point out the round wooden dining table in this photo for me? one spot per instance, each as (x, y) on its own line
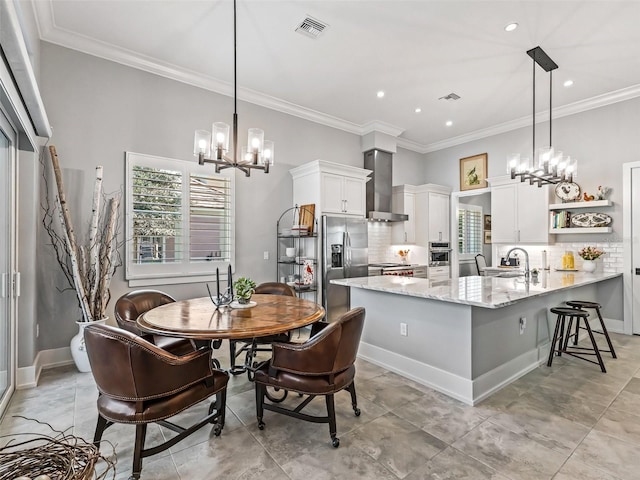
(198, 318)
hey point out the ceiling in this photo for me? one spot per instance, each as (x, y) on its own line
(416, 51)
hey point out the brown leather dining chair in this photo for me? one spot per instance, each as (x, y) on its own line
(133, 304)
(250, 346)
(140, 383)
(323, 365)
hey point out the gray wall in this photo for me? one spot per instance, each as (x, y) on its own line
(408, 168)
(601, 139)
(99, 110)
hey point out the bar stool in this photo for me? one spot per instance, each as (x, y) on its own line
(582, 304)
(561, 337)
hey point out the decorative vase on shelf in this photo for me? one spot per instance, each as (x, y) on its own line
(589, 266)
(78, 349)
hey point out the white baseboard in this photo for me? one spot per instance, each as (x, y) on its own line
(445, 382)
(27, 377)
(468, 391)
(489, 383)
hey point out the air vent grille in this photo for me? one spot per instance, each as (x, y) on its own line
(452, 96)
(311, 27)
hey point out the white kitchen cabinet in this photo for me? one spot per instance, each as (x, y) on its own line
(403, 201)
(438, 217)
(519, 212)
(438, 273)
(432, 203)
(334, 188)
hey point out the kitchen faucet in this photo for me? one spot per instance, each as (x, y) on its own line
(526, 259)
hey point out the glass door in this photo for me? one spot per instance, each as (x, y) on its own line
(7, 258)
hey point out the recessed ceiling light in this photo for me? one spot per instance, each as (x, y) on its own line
(511, 27)
(380, 94)
(449, 123)
(568, 83)
(418, 110)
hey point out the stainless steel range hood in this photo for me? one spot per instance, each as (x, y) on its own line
(379, 187)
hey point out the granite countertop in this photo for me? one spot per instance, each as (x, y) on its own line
(487, 292)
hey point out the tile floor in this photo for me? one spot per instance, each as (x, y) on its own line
(565, 422)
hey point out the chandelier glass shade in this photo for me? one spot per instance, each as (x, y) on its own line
(213, 146)
(545, 165)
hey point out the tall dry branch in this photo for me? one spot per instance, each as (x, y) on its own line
(88, 268)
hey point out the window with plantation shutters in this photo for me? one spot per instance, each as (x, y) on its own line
(180, 220)
(469, 231)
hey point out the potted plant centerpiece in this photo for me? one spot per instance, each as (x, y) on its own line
(244, 288)
(590, 255)
(88, 261)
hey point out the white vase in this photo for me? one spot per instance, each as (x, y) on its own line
(589, 266)
(78, 349)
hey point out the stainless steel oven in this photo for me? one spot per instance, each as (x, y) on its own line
(439, 254)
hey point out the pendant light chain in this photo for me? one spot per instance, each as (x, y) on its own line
(235, 89)
(213, 147)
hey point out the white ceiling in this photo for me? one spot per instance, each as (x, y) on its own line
(416, 51)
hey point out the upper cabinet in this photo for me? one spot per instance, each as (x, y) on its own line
(519, 212)
(432, 214)
(403, 201)
(438, 217)
(334, 188)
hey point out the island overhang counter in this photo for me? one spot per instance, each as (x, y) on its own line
(464, 336)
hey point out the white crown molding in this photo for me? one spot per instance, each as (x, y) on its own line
(50, 32)
(382, 127)
(598, 101)
(411, 145)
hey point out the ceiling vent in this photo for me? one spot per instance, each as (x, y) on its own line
(451, 96)
(311, 27)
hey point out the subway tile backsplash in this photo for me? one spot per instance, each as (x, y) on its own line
(610, 262)
(381, 250)
(379, 242)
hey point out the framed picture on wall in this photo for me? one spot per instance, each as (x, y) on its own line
(487, 222)
(487, 236)
(473, 172)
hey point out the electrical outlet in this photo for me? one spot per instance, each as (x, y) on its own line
(523, 324)
(403, 329)
(266, 255)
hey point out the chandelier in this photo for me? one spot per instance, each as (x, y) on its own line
(213, 147)
(549, 166)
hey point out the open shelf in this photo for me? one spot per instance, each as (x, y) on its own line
(591, 204)
(581, 230)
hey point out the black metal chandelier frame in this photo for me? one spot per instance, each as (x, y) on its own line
(547, 174)
(222, 161)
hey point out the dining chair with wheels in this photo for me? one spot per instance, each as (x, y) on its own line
(139, 383)
(481, 263)
(133, 304)
(322, 366)
(250, 346)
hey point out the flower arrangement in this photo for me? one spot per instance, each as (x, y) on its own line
(404, 253)
(590, 253)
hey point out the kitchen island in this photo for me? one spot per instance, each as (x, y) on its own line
(470, 336)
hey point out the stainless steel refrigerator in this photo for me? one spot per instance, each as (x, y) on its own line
(344, 255)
